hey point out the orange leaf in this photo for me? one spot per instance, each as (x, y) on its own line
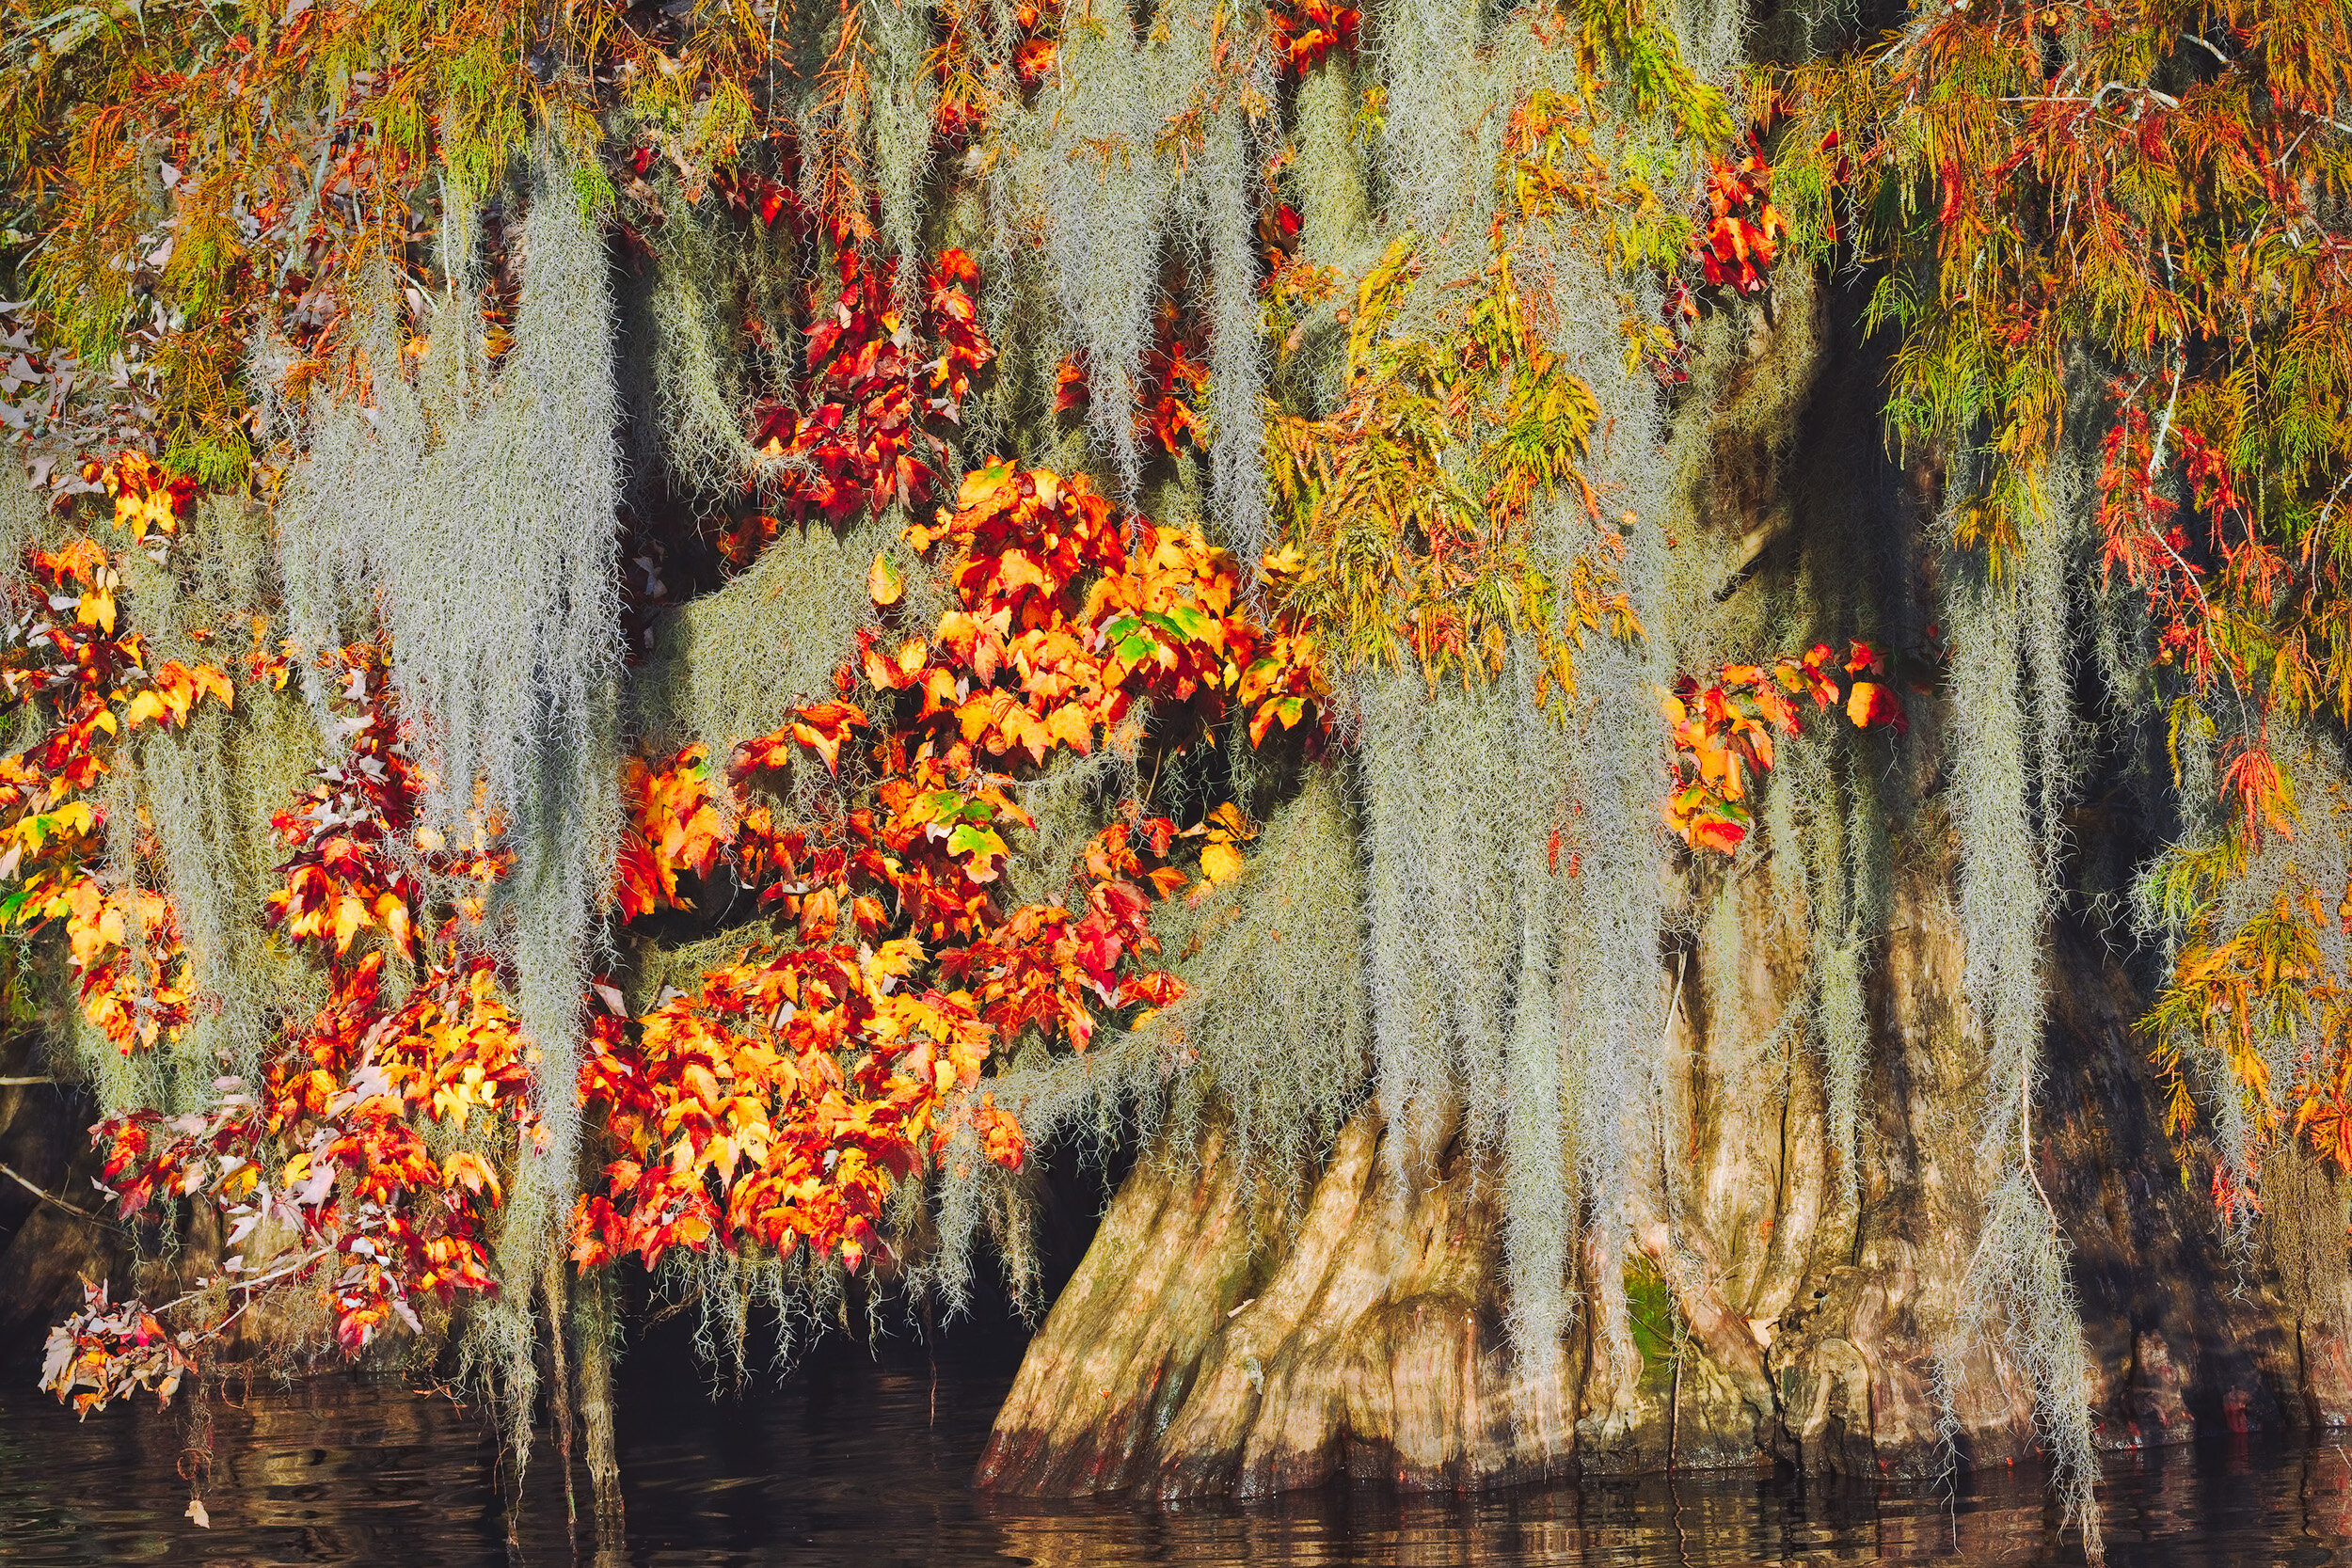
(1869, 704)
(1716, 833)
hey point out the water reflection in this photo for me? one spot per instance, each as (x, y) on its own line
(864, 1461)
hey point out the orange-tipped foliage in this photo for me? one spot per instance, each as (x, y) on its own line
(72, 657)
(780, 1102)
(1724, 732)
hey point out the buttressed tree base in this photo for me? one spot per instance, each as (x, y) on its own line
(1651, 695)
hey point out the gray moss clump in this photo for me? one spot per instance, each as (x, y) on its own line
(733, 663)
(1104, 196)
(478, 514)
(1271, 1044)
(1237, 351)
(1274, 1012)
(1437, 147)
(2007, 891)
(696, 402)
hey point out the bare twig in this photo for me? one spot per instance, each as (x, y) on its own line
(52, 1198)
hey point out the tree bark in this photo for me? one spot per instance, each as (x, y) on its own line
(1207, 1345)
(592, 1320)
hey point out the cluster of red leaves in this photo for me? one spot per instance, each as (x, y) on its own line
(745, 193)
(86, 675)
(860, 437)
(106, 1351)
(351, 832)
(1742, 232)
(674, 826)
(343, 875)
(1722, 733)
(781, 1101)
(1062, 607)
(2142, 532)
(1306, 30)
(328, 1167)
(1169, 386)
(971, 82)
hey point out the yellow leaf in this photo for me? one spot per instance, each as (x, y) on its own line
(392, 911)
(210, 679)
(472, 1172)
(1070, 725)
(143, 708)
(350, 915)
(1220, 864)
(884, 582)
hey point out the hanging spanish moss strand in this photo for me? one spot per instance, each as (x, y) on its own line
(905, 95)
(481, 520)
(1437, 144)
(1106, 198)
(1441, 817)
(1539, 1183)
(696, 396)
(566, 814)
(1617, 1008)
(1238, 354)
(2007, 887)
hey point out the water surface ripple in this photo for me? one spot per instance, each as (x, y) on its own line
(865, 1462)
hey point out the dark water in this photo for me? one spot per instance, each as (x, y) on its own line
(857, 1462)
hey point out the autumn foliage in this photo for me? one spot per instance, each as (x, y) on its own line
(1308, 30)
(2113, 235)
(321, 1172)
(865, 434)
(1724, 732)
(781, 1100)
(72, 660)
(2107, 241)
(1743, 232)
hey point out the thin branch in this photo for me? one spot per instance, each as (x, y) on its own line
(2192, 38)
(56, 1201)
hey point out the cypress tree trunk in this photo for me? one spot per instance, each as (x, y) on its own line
(591, 1316)
(1209, 1343)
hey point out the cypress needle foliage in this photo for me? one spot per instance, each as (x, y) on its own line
(2263, 957)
